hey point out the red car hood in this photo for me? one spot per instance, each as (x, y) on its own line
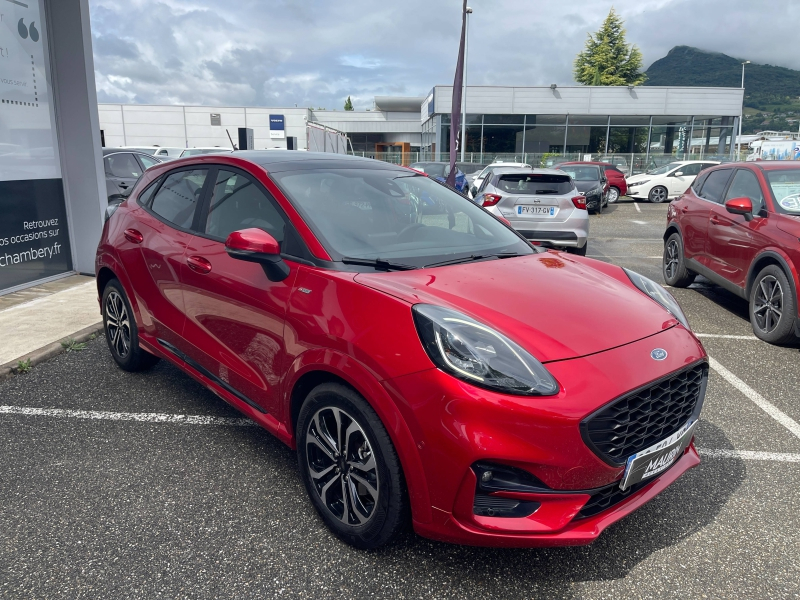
(554, 305)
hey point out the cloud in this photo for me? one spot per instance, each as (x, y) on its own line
(317, 52)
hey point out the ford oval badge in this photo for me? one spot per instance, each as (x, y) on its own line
(658, 354)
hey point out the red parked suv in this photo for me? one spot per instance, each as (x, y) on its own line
(425, 360)
(738, 225)
(617, 185)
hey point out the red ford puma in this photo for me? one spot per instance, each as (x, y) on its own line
(425, 360)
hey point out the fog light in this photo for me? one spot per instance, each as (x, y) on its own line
(486, 476)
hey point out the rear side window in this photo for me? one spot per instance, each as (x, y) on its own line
(692, 169)
(177, 198)
(147, 195)
(237, 203)
(534, 184)
(714, 185)
(698, 183)
(122, 165)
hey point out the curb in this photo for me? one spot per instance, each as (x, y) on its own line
(8, 370)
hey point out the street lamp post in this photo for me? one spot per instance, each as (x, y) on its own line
(741, 117)
(464, 95)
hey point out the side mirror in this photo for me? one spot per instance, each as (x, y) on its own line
(256, 245)
(740, 206)
(678, 174)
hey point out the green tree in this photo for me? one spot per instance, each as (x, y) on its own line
(348, 104)
(607, 59)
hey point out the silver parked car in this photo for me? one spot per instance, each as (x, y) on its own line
(544, 205)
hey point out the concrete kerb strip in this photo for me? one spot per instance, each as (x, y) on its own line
(51, 350)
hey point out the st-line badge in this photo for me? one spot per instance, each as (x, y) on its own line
(658, 457)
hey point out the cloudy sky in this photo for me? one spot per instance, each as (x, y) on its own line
(317, 52)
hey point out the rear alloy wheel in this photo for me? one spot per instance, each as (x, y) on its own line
(658, 194)
(772, 306)
(350, 467)
(613, 195)
(673, 266)
(122, 334)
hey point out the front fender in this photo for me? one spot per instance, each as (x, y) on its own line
(398, 425)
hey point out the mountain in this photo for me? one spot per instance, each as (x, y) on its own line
(766, 87)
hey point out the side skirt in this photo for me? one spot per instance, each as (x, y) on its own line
(695, 266)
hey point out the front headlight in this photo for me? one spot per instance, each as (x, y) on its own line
(659, 294)
(473, 352)
(635, 183)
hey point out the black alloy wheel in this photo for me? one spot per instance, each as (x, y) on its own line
(673, 266)
(122, 334)
(658, 194)
(773, 306)
(350, 467)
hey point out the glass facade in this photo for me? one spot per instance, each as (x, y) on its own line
(647, 140)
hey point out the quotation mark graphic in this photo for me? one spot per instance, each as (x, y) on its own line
(25, 31)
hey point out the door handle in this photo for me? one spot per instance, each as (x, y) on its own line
(715, 221)
(199, 264)
(133, 236)
(123, 185)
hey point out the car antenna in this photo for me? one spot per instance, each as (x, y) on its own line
(231, 139)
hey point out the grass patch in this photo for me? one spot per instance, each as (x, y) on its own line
(23, 366)
(71, 345)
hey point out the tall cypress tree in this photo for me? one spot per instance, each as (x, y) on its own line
(608, 59)
(348, 104)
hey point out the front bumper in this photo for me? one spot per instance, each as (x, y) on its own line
(460, 425)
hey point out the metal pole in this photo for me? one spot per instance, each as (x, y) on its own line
(741, 117)
(464, 95)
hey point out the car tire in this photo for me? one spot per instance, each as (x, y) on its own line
(773, 306)
(122, 334)
(579, 251)
(613, 195)
(658, 194)
(673, 265)
(355, 483)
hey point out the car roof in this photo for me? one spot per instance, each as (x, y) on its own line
(532, 171)
(774, 165)
(588, 162)
(107, 151)
(274, 161)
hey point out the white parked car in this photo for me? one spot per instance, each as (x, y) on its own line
(477, 181)
(667, 182)
(208, 150)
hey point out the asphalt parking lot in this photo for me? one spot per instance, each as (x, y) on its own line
(134, 500)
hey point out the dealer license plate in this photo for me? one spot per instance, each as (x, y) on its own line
(538, 211)
(657, 458)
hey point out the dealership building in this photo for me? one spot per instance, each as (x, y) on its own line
(52, 179)
(500, 121)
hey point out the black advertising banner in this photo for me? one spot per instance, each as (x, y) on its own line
(34, 242)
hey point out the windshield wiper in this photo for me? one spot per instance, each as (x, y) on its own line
(378, 263)
(473, 257)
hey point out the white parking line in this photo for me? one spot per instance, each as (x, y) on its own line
(769, 408)
(749, 455)
(752, 338)
(639, 222)
(636, 204)
(103, 415)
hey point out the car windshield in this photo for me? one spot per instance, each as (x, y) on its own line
(393, 215)
(435, 169)
(785, 187)
(665, 169)
(534, 184)
(585, 173)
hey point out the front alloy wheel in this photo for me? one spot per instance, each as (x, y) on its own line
(613, 195)
(342, 466)
(658, 194)
(772, 306)
(673, 266)
(122, 334)
(350, 467)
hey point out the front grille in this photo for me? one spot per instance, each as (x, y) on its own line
(645, 416)
(607, 497)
